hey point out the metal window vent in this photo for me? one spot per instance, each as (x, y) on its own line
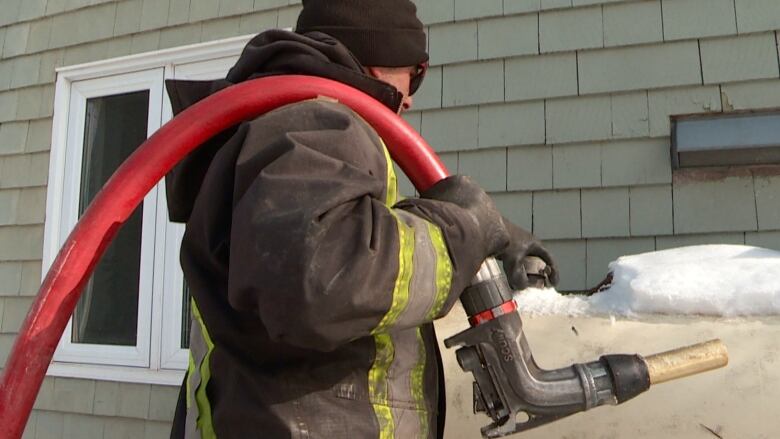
(750, 138)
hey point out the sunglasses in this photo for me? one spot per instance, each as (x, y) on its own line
(417, 78)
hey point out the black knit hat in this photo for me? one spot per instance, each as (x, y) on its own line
(380, 33)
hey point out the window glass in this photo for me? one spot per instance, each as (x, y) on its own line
(107, 312)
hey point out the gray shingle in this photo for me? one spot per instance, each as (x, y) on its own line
(31, 278)
(459, 83)
(465, 9)
(83, 427)
(640, 67)
(106, 398)
(203, 10)
(178, 12)
(739, 58)
(545, 76)
(218, 29)
(630, 115)
(180, 35)
(636, 162)
(508, 36)
(576, 165)
(154, 14)
(120, 428)
(605, 213)
(511, 124)
(578, 119)
(651, 210)
(430, 92)
(435, 11)
(487, 167)
(235, 7)
(451, 43)
(751, 95)
(16, 40)
(24, 170)
(530, 168)
(45, 397)
(451, 129)
(26, 71)
(9, 207)
(8, 103)
(757, 15)
(14, 313)
(162, 403)
(74, 395)
(520, 6)
(48, 425)
(716, 205)
(129, 13)
(516, 207)
(557, 214)
(32, 206)
(31, 9)
(145, 42)
(6, 71)
(40, 35)
(768, 202)
(13, 136)
(157, 430)
(633, 23)
(258, 22)
(698, 18)
(667, 242)
(29, 104)
(571, 29)
(688, 100)
(571, 257)
(10, 275)
(133, 400)
(288, 17)
(769, 240)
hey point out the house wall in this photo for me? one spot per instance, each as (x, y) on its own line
(559, 108)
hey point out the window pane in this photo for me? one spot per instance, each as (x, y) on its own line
(107, 312)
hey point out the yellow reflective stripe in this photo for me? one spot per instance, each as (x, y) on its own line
(402, 281)
(417, 386)
(392, 180)
(190, 369)
(201, 398)
(443, 270)
(378, 384)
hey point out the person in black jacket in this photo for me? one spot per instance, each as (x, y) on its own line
(313, 283)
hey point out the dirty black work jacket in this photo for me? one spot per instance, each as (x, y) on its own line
(313, 285)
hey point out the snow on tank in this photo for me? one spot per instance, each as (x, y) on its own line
(716, 280)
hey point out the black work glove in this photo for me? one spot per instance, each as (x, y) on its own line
(464, 192)
(518, 257)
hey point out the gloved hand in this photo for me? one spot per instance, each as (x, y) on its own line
(518, 257)
(464, 192)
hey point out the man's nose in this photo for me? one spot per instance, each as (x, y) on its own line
(407, 103)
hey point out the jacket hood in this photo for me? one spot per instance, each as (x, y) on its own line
(274, 52)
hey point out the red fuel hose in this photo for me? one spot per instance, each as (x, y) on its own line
(61, 288)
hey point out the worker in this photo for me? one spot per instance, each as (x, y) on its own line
(313, 283)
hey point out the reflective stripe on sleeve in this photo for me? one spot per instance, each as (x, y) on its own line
(198, 422)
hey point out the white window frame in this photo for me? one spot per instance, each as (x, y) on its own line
(157, 359)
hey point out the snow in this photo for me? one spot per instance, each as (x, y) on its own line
(716, 280)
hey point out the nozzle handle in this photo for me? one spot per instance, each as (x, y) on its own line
(686, 361)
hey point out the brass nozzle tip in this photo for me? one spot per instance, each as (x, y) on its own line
(686, 361)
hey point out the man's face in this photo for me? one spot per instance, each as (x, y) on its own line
(398, 77)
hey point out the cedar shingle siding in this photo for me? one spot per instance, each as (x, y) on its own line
(558, 107)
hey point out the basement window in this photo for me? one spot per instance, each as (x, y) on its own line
(735, 139)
